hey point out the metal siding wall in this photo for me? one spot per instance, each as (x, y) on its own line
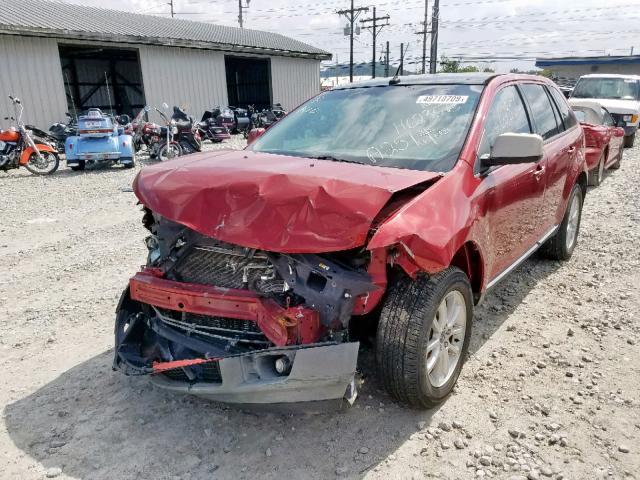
(294, 80)
(194, 79)
(31, 71)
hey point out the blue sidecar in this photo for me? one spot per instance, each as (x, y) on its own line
(99, 140)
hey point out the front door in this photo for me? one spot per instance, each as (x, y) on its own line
(514, 194)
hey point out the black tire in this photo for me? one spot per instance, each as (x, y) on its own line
(629, 140)
(176, 150)
(404, 330)
(52, 164)
(128, 164)
(79, 167)
(616, 165)
(597, 174)
(556, 247)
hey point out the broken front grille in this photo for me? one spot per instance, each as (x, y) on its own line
(235, 333)
(228, 268)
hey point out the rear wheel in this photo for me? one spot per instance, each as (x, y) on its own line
(45, 164)
(629, 140)
(423, 336)
(128, 162)
(80, 166)
(597, 174)
(562, 244)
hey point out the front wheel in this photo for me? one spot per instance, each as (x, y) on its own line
(629, 140)
(174, 150)
(563, 242)
(423, 336)
(45, 164)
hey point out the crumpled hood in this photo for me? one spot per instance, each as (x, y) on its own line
(619, 106)
(273, 202)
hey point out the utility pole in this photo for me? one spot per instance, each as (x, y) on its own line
(401, 58)
(424, 36)
(241, 8)
(171, 5)
(631, 51)
(375, 29)
(386, 65)
(351, 15)
(433, 55)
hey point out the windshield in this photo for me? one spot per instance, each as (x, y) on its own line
(418, 127)
(612, 88)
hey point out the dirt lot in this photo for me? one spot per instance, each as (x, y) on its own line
(551, 388)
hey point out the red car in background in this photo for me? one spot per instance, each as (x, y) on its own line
(603, 140)
(390, 206)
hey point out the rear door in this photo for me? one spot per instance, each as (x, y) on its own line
(562, 145)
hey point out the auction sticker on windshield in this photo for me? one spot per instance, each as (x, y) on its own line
(442, 99)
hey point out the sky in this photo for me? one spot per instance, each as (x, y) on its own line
(498, 34)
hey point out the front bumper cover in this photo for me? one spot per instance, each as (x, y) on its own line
(317, 373)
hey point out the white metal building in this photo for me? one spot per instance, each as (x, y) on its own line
(58, 56)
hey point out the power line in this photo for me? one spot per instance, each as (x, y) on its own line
(352, 15)
(375, 29)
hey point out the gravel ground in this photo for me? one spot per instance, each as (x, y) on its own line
(550, 389)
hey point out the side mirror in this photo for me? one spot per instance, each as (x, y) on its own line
(165, 106)
(67, 114)
(514, 148)
(618, 132)
(147, 108)
(254, 134)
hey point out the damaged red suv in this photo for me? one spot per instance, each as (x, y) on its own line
(397, 203)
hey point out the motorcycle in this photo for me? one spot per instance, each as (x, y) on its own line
(279, 111)
(209, 128)
(61, 131)
(224, 118)
(19, 146)
(241, 120)
(162, 138)
(187, 134)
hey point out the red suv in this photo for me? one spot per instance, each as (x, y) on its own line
(394, 204)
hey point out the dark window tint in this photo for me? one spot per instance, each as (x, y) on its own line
(506, 115)
(568, 118)
(543, 115)
(607, 119)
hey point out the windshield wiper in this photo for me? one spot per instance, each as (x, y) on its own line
(334, 159)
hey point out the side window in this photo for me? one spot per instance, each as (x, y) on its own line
(506, 115)
(607, 119)
(542, 110)
(556, 112)
(568, 118)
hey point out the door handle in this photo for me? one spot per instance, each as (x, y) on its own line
(538, 172)
(571, 149)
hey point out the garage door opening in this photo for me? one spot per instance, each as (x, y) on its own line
(99, 77)
(248, 81)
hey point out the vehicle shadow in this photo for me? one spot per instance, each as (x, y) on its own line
(99, 424)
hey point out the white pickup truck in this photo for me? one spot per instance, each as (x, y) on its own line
(620, 94)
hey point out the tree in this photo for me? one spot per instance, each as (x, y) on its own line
(448, 65)
(489, 70)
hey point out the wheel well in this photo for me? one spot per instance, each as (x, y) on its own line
(583, 182)
(469, 260)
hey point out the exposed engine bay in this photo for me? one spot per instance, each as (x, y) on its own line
(200, 300)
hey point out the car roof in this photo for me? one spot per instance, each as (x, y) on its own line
(611, 75)
(441, 79)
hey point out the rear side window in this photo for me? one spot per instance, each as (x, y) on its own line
(568, 118)
(542, 110)
(506, 115)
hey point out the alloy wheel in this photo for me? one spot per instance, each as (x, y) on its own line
(446, 338)
(573, 221)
